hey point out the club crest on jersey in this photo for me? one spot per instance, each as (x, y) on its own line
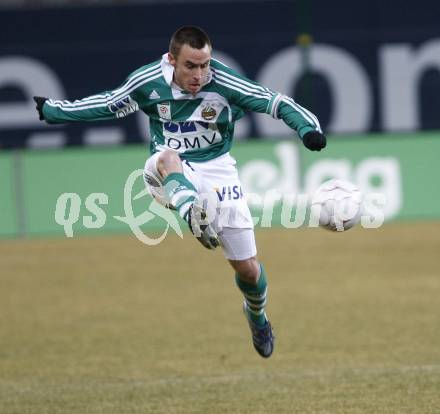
(164, 110)
(208, 112)
(124, 107)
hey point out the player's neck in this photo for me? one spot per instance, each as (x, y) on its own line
(175, 85)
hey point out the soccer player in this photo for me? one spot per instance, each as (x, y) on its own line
(193, 101)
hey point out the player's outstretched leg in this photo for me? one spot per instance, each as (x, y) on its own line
(182, 195)
(251, 280)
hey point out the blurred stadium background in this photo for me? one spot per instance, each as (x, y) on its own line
(102, 323)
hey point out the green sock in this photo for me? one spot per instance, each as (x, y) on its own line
(255, 297)
(180, 192)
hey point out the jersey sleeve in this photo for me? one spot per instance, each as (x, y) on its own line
(116, 103)
(107, 105)
(253, 97)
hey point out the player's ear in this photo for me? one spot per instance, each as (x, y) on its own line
(171, 59)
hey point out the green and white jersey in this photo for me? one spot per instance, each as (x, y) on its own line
(200, 127)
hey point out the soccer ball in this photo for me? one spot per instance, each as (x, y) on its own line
(336, 205)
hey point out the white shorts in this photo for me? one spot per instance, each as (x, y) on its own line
(219, 189)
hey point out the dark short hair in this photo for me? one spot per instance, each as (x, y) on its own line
(188, 35)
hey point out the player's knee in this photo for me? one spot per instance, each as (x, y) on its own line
(248, 270)
(168, 162)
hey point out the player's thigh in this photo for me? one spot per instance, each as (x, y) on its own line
(238, 243)
(221, 186)
(154, 182)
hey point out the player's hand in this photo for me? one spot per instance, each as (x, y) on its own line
(39, 100)
(314, 141)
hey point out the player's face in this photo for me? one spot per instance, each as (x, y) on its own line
(191, 67)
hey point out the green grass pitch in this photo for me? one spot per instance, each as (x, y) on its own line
(107, 325)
